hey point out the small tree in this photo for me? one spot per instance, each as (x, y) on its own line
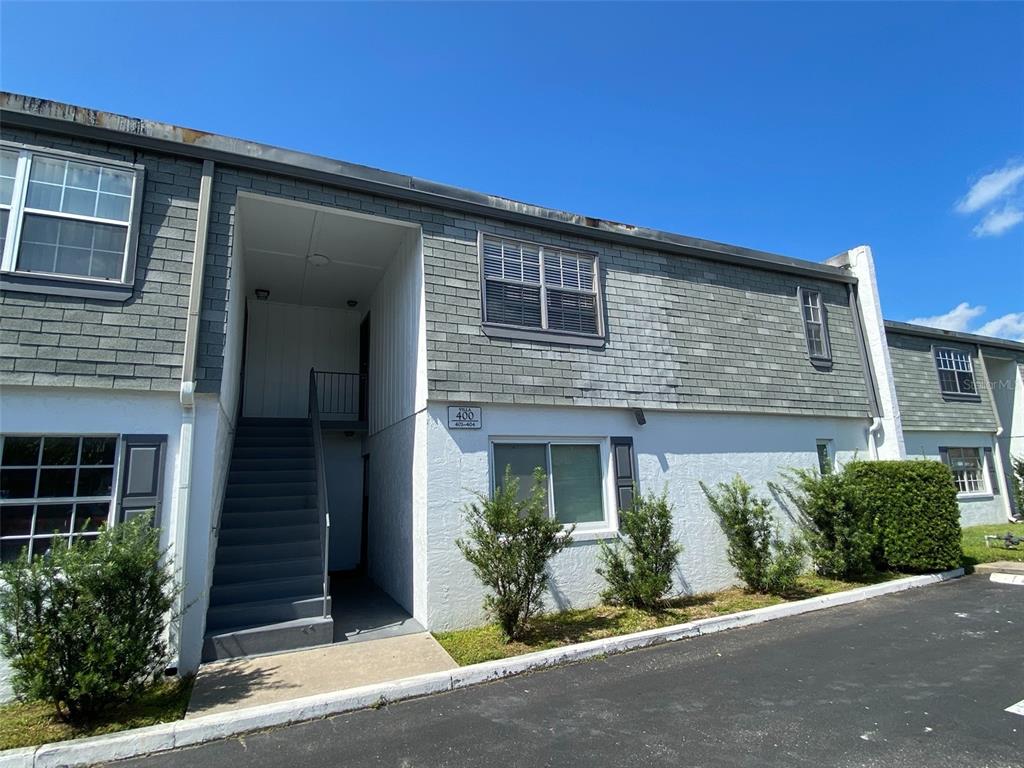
(763, 559)
(837, 528)
(510, 543)
(83, 626)
(638, 568)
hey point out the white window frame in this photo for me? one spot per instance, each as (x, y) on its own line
(36, 500)
(984, 489)
(826, 356)
(609, 524)
(542, 332)
(13, 279)
(951, 353)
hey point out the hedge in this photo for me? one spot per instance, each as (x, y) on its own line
(913, 504)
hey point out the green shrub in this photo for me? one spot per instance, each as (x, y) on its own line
(83, 627)
(638, 568)
(838, 530)
(510, 543)
(913, 504)
(763, 559)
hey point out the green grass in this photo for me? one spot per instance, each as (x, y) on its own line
(976, 552)
(470, 646)
(28, 723)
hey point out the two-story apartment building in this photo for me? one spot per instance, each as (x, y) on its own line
(960, 399)
(303, 366)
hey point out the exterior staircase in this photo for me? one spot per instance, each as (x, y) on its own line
(267, 592)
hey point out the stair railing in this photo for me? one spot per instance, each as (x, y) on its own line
(323, 511)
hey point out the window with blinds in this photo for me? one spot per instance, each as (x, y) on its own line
(533, 286)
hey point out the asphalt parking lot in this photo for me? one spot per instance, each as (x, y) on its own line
(922, 678)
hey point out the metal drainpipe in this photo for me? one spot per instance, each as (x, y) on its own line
(997, 455)
(869, 370)
(187, 397)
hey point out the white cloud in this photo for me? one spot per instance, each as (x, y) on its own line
(961, 317)
(997, 222)
(1009, 326)
(991, 187)
(957, 319)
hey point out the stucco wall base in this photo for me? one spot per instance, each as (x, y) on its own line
(674, 452)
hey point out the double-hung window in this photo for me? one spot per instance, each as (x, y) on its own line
(956, 373)
(815, 325)
(967, 467)
(53, 488)
(533, 287)
(574, 473)
(69, 223)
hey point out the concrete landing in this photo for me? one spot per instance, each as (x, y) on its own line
(1002, 566)
(223, 686)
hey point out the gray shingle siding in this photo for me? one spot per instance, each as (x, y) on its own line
(922, 405)
(683, 333)
(137, 344)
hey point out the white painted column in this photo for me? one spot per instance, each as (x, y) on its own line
(888, 441)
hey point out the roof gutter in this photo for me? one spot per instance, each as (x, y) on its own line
(926, 332)
(42, 114)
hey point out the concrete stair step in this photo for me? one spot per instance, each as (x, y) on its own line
(237, 535)
(272, 503)
(263, 612)
(269, 638)
(273, 464)
(268, 518)
(283, 567)
(265, 589)
(269, 490)
(261, 553)
(271, 474)
(272, 452)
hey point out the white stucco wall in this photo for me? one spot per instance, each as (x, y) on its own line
(396, 489)
(398, 347)
(976, 510)
(38, 410)
(674, 452)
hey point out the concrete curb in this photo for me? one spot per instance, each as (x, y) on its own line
(182, 733)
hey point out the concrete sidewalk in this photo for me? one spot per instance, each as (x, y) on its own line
(224, 686)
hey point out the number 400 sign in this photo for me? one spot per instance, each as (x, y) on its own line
(464, 417)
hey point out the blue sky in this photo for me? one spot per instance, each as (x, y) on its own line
(802, 129)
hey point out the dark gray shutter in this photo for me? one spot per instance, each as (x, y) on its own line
(993, 479)
(626, 483)
(141, 488)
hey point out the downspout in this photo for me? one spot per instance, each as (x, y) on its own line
(997, 455)
(187, 398)
(869, 372)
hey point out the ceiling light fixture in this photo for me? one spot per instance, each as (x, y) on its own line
(317, 259)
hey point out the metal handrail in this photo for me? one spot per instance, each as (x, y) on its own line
(323, 510)
(338, 394)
